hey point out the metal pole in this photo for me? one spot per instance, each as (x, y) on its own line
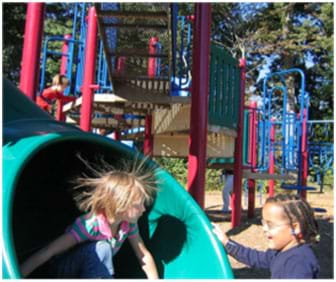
(89, 71)
(65, 55)
(152, 61)
(304, 155)
(253, 140)
(271, 159)
(63, 70)
(30, 63)
(238, 153)
(199, 103)
(148, 142)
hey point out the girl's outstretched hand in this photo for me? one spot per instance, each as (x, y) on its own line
(220, 234)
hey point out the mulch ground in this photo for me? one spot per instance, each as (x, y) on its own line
(250, 232)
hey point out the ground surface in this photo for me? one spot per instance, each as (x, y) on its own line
(250, 232)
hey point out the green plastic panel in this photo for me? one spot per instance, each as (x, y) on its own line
(224, 88)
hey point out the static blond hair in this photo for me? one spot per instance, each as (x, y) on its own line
(112, 191)
(60, 79)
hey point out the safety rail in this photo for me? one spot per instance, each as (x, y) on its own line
(321, 149)
(224, 88)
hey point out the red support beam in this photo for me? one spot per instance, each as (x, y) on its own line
(253, 141)
(148, 142)
(63, 70)
(65, 51)
(199, 102)
(30, 64)
(89, 71)
(304, 156)
(238, 153)
(59, 110)
(152, 61)
(271, 159)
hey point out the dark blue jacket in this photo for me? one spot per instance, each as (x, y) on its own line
(297, 262)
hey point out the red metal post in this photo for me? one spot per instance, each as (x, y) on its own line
(59, 112)
(253, 139)
(238, 153)
(304, 155)
(89, 71)
(199, 103)
(121, 65)
(65, 50)
(148, 142)
(30, 64)
(271, 160)
(152, 61)
(63, 70)
(116, 135)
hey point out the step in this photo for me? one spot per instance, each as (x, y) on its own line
(135, 53)
(117, 76)
(137, 26)
(297, 187)
(265, 176)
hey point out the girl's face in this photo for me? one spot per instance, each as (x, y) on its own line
(135, 211)
(61, 87)
(277, 228)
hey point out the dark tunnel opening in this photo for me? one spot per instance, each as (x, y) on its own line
(43, 205)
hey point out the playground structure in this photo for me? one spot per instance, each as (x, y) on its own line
(284, 143)
(136, 98)
(140, 86)
(175, 228)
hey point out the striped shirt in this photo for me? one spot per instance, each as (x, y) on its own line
(92, 227)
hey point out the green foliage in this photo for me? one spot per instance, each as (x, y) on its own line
(13, 29)
(58, 22)
(284, 35)
(178, 168)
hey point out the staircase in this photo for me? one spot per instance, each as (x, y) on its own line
(128, 61)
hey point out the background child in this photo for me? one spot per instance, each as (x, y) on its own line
(49, 95)
(289, 225)
(113, 200)
(227, 178)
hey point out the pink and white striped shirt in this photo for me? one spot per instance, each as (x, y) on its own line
(92, 227)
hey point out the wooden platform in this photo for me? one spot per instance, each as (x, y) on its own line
(266, 176)
(114, 104)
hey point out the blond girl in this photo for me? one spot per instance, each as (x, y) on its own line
(112, 202)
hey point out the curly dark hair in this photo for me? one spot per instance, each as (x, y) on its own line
(298, 210)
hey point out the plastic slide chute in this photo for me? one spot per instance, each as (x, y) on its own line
(40, 158)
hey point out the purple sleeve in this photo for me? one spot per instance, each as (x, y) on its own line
(250, 257)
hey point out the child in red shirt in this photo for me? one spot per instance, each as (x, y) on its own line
(49, 95)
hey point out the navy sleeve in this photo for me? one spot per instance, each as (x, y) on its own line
(250, 257)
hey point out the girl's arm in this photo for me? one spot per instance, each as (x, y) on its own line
(144, 256)
(61, 244)
(248, 256)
